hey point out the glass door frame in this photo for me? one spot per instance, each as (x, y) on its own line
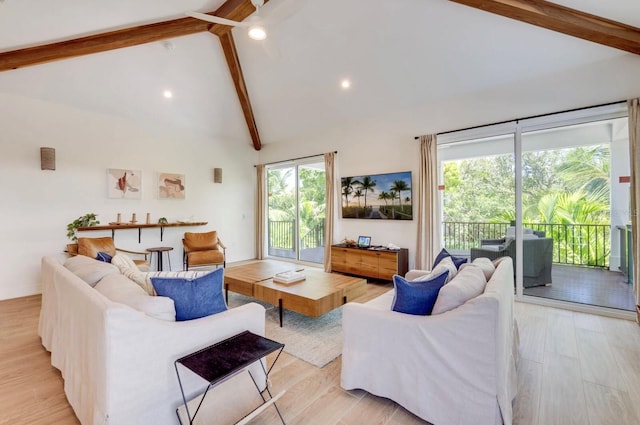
(517, 128)
(295, 165)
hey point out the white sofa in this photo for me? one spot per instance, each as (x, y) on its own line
(117, 362)
(453, 368)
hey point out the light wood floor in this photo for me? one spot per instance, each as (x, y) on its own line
(574, 368)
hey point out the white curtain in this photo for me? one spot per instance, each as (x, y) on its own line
(330, 195)
(260, 210)
(428, 243)
(634, 155)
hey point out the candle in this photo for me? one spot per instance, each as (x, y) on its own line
(119, 219)
(148, 218)
(133, 217)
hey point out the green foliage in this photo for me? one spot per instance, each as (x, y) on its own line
(86, 220)
(561, 186)
(282, 203)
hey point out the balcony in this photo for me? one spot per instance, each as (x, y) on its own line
(282, 241)
(581, 255)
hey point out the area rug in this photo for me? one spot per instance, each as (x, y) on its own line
(316, 340)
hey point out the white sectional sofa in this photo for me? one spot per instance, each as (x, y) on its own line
(118, 362)
(453, 368)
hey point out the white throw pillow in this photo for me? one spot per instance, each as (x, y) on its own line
(123, 262)
(469, 283)
(498, 260)
(444, 265)
(89, 269)
(485, 265)
(120, 289)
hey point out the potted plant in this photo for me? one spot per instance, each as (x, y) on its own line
(86, 220)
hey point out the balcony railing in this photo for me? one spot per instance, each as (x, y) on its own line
(573, 244)
(282, 235)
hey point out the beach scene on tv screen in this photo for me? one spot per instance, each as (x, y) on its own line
(377, 196)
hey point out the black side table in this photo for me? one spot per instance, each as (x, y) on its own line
(159, 250)
(227, 358)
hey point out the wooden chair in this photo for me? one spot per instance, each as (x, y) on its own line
(203, 249)
(90, 247)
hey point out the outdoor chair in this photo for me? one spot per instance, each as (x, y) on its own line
(203, 249)
(537, 255)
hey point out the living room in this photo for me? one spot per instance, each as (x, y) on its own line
(433, 69)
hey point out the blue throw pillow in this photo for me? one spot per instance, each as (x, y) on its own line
(103, 256)
(193, 298)
(418, 297)
(457, 261)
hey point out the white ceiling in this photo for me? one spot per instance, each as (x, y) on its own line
(416, 65)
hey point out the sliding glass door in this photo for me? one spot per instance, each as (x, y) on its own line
(551, 192)
(296, 211)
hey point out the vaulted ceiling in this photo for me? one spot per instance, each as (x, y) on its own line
(404, 57)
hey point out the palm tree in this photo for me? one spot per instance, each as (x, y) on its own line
(358, 194)
(399, 186)
(367, 184)
(384, 196)
(347, 188)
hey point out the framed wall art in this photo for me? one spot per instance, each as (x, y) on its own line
(124, 184)
(171, 186)
(377, 196)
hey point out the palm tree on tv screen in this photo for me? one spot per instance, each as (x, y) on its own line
(398, 187)
(367, 184)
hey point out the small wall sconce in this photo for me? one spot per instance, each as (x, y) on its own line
(47, 159)
(217, 175)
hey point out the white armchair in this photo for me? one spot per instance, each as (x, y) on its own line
(457, 367)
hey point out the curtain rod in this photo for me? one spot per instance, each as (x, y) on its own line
(526, 118)
(296, 159)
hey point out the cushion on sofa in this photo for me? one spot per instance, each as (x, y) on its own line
(123, 261)
(469, 283)
(89, 269)
(458, 261)
(193, 298)
(416, 297)
(499, 260)
(485, 265)
(446, 264)
(120, 289)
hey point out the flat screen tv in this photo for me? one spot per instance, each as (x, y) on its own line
(377, 196)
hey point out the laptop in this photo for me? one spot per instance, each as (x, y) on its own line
(364, 241)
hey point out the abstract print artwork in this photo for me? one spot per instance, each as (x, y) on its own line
(171, 186)
(124, 184)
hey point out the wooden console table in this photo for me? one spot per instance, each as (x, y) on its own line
(375, 263)
(122, 226)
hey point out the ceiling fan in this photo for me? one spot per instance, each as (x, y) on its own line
(254, 22)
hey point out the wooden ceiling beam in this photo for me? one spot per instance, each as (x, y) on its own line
(232, 9)
(231, 55)
(236, 10)
(564, 20)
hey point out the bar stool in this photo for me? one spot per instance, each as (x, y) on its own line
(159, 250)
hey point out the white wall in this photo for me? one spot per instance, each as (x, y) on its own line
(37, 205)
(362, 150)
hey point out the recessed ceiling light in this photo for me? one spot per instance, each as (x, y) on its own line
(257, 32)
(168, 94)
(345, 84)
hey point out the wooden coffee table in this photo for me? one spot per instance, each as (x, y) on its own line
(240, 279)
(318, 294)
